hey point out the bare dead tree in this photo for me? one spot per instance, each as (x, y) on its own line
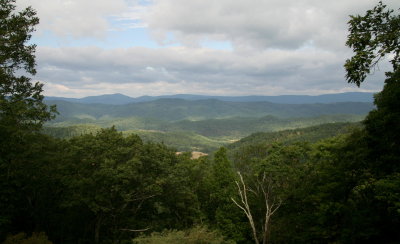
(262, 188)
(242, 190)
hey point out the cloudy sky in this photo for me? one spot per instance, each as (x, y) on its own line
(214, 47)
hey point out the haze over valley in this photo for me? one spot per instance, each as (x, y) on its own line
(202, 123)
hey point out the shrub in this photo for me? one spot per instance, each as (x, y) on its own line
(21, 238)
(195, 235)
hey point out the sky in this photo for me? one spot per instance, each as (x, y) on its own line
(207, 47)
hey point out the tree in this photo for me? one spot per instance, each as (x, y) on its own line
(21, 102)
(102, 174)
(22, 111)
(271, 176)
(221, 210)
(350, 192)
(263, 190)
(372, 37)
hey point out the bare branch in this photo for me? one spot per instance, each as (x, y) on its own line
(245, 207)
(140, 230)
(263, 188)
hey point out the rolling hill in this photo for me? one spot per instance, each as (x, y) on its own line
(196, 125)
(191, 141)
(308, 134)
(118, 99)
(179, 109)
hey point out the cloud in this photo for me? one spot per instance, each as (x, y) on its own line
(132, 17)
(141, 71)
(278, 46)
(75, 18)
(256, 24)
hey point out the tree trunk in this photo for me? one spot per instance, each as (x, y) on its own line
(97, 229)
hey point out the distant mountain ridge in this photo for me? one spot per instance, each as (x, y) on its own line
(179, 109)
(198, 123)
(120, 99)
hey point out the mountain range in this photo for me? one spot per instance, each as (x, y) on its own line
(120, 99)
(179, 109)
(203, 123)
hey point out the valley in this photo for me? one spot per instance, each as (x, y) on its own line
(198, 125)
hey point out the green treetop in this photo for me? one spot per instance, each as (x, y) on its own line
(372, 37)
(21, 102)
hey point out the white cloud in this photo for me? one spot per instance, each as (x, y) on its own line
(257, 24)
(132, 17)
(141, 71)
(75, 18)
(279, 46)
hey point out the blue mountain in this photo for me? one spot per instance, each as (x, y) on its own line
(120, 99)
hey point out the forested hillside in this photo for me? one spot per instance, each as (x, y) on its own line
(309, 134)
(193, 131)
(186, 140)
(197, 125)
(234, 128)
(179, 109)
(283, 99)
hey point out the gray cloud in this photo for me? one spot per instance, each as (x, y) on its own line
(139, 71)
(75, 18)
(279, 47)
(257, 24)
